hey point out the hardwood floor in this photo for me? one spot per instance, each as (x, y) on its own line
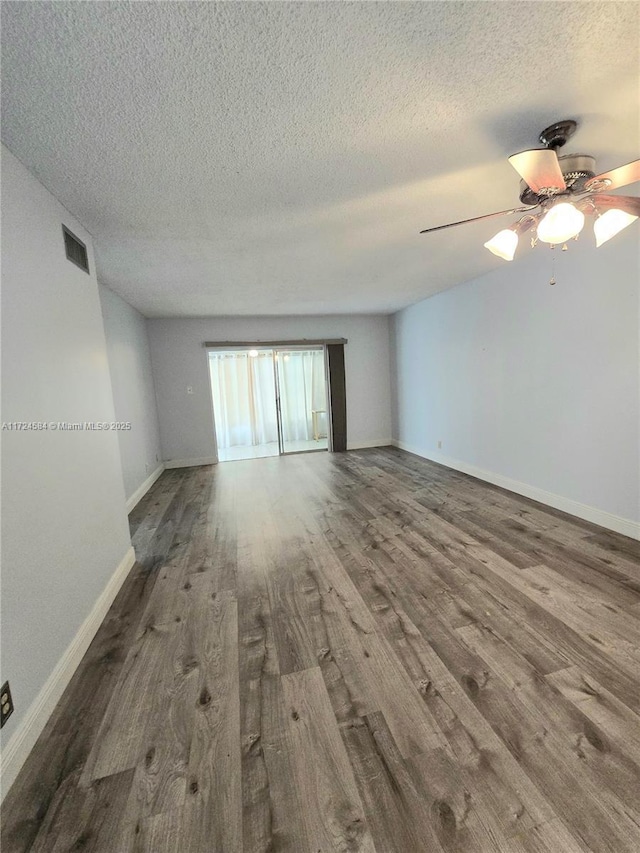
(349, 652)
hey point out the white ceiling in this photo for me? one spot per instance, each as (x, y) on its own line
(275, 158)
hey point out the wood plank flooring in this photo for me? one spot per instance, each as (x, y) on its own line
(349, 652)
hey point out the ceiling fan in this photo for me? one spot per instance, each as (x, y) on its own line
(558, 193)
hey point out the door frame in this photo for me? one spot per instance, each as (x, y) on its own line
(275, 347)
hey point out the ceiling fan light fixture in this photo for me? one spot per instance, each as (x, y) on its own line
(611, 223)
(562, 222)
(504, 244)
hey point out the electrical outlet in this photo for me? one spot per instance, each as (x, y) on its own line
(6, 705)
(439, 445)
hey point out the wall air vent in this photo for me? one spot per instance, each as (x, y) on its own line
(75, 249)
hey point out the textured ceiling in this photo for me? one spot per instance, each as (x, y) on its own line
(273, 158)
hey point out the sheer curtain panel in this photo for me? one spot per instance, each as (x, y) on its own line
(302, 389)
(244, 399)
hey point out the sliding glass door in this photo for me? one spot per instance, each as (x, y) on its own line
(269, 401)
(301, 391)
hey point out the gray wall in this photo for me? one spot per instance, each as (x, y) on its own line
(64, 526)
(134, 396)
(536, 383)
(179, 360)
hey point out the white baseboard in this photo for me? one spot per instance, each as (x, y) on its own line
(191, 463)
(142, 490)
(24, 738)
(626, 526)
(376, 442)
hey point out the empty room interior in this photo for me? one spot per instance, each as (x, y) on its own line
(320, 427)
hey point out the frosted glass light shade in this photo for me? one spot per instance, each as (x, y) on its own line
(504, 244)
(560, 224)
(611, 223)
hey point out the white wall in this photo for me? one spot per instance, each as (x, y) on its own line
(64, 526)
(179, 360)
(533, 383)
(134, 396)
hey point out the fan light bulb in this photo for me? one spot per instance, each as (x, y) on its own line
(504, 244)
(560, 224)
(611, 223)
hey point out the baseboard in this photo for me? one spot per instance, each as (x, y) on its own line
(626, 526)
(375, 442)
(191, 463)
(24, 738)
(142, 490)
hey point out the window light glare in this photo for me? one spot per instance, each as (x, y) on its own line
(611, 223)
(560, 224)
(253, 353)
(504, 244)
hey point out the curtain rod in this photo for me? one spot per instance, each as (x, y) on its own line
(299, 343)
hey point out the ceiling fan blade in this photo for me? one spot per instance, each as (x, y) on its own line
(628, 203)
(620, 177)
(540, 169)
(477, 218)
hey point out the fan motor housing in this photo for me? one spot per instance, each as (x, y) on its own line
(577, 169)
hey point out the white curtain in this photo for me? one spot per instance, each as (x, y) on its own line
(302, 389)
(244, 398)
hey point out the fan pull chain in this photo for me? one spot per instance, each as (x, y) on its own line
(552, 280)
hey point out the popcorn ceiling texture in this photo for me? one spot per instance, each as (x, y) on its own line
(273, 158)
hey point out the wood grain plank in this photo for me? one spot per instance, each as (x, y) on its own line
(475, 716)
(295, 606)
(460, 818)
(90, 819)
(548, 838)
(604, 778)
(611, 628)
(214, 537)
(161, 833)
(616, 544)
(367, 663)
(286, 827)
(375, 666)
(120, 740)
(161, 776)
(603, 708)
(145, 516)
(393, 803)
(212, 816)
(333, 814)
(261, 712)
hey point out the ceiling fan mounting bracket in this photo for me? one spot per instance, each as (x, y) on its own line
(558, 134)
